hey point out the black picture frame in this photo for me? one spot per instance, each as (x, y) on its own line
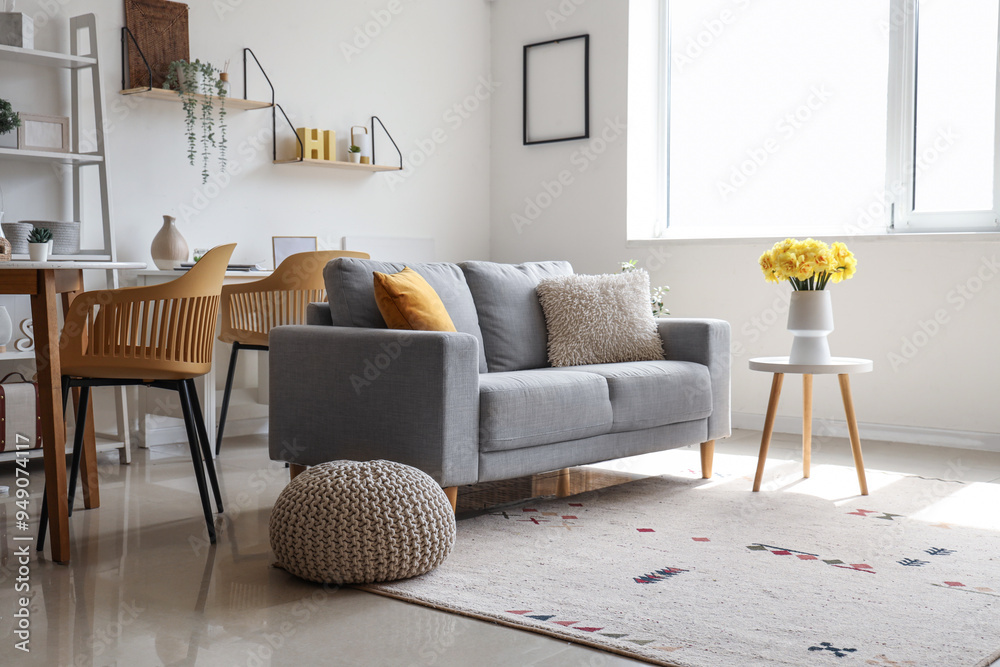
(540, 60)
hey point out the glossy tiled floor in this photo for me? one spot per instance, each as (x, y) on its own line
(145, 588)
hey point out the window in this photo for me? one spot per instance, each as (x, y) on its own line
(762, 119)
(942, 166)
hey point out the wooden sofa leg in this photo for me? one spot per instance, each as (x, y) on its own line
(452, 493)
(294, 469)
(707, 452)
(562, 484)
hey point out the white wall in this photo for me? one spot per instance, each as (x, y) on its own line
(425, 58)
(933, 383)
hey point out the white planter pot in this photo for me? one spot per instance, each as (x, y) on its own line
(810, 319)
(355, 158)
(38, 252)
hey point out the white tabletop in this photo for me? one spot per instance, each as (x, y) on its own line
(836, 366)
(70, 264)
(177, 272)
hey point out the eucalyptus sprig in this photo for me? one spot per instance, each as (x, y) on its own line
(656, 294)
(200, 78)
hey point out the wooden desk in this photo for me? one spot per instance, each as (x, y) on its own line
(42, 281)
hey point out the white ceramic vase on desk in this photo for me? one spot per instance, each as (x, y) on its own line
(169, 249)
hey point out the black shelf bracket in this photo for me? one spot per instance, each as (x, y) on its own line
(274, 135)
(247, 50)
(398, 152)
(126, 35)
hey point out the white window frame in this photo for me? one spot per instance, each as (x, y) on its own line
(901, 159)
(901, 162)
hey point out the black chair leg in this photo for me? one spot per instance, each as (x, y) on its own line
(206, 449)
(43, 523)
(225, 397)
(81, 425)
(199, 471)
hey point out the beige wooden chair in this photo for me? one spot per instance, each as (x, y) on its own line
(158, 336)
(251, 310)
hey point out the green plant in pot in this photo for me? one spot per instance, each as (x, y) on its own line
(199, 82)
(38, 244)
(354, 153)
(9, 119)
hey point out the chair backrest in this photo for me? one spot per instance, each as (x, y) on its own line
(251, 310)
(161, 331)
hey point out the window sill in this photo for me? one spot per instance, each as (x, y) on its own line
(914, 237)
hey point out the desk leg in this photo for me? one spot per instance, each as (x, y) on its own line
(765, 439)
(852, 424)
(88, 458)
(807, 422)
(46, 323)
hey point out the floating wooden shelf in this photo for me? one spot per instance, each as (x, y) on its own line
(48, 156)
(44, 58)
(173, 96)
(337, 164)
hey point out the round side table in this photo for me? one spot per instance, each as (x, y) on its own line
(842, 367)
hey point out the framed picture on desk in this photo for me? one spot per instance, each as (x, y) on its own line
(283, 246)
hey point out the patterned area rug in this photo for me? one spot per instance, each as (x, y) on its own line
(676, 570)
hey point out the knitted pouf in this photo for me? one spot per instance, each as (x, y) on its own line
(351, 522)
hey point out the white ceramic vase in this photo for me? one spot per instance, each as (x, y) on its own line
(810, 319)
(169, 249)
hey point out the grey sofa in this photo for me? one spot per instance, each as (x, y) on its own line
(481, 404)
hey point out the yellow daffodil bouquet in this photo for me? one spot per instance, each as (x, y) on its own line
(807, 265)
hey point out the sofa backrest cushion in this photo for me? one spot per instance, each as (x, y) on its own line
(510, 315)
(350, 290)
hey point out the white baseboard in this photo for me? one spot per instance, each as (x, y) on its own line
(917, 435)
(168, 435)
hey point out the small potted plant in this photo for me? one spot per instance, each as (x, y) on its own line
(9, 119)
(200, 82)
(354, 154)
(39, 240)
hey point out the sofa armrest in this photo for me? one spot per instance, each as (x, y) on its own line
(319, 313)
(364, 394)
(705, 342)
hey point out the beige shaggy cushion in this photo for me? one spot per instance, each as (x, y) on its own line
(599, 319)
(351, 522)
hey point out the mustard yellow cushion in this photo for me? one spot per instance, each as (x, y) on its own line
(407, 301)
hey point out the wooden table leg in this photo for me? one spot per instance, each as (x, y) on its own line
(852, 424)
(46, 324)
(765, 439)
(88, 457)
(807, 422)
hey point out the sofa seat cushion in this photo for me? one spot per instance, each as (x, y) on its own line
(538, 407)
(647, 394)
